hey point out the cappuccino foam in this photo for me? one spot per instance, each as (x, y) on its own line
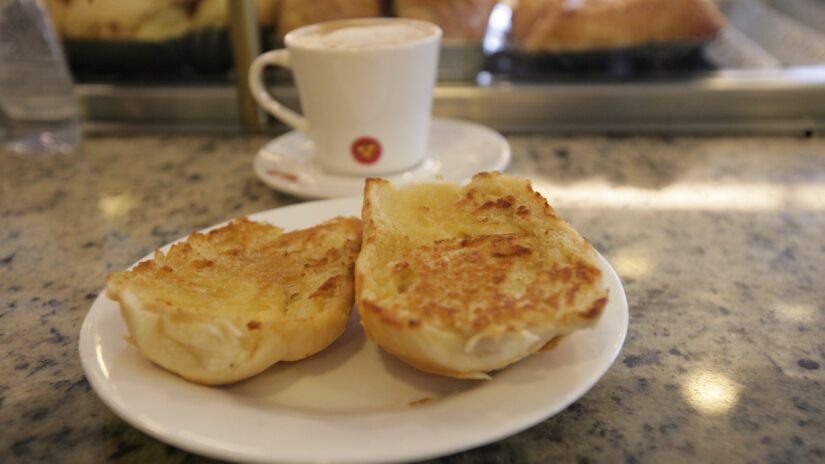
(363, 36)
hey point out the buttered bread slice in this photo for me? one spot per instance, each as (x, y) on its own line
(225, 305)
(461, 281)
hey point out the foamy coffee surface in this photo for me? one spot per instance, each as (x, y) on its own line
(363, 36)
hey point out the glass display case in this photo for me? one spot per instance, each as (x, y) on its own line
(741, 65)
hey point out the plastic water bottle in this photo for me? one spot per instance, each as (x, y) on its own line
(38, 110)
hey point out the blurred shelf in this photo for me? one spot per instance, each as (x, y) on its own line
(778, 100)
(765, 72)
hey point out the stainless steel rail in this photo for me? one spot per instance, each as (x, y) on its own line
(730, 101)
(243, 27)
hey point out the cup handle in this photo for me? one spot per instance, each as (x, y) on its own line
(259, 93)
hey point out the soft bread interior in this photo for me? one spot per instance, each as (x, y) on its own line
(464, 280)
(225, 305)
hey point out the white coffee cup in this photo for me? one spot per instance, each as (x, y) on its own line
(365, 87)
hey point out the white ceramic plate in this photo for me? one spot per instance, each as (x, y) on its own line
(351, 403)
(457, 150)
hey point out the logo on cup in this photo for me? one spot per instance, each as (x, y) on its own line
(366, 150)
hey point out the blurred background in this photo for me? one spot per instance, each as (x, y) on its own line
(557, 65)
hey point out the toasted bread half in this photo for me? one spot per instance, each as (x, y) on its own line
(461, 281)
(225, 305)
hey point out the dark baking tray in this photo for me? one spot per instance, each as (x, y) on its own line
(206, 53)
(616, 63)
(207, 56)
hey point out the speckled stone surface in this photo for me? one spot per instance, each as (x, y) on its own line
(720, 243)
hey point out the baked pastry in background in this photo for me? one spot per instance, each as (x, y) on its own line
(461, 281)
(215, 13)
(148, 20)
(297, 13)
(576, 25)
(225, 305)
(460, 20)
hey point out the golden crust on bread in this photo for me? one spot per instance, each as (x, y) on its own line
(574, 25)
(462, 281)
(227, 304)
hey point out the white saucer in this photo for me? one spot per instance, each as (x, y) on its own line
(351, 403)
(457, 150)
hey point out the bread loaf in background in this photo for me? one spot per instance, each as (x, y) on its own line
(460, 20)
(215, 13)
(577, 25)
(146, 20)
(297, 13)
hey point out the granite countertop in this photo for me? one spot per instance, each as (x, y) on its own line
(720, 243)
